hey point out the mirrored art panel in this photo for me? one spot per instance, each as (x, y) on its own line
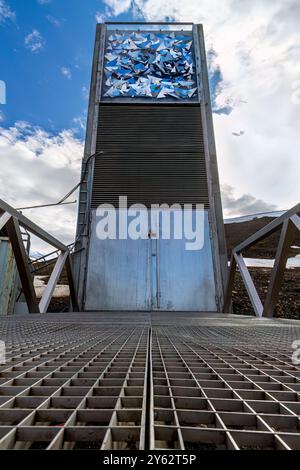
(149, 65)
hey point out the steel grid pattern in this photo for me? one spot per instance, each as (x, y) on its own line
(157, 381)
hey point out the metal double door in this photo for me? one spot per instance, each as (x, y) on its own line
(152, 272)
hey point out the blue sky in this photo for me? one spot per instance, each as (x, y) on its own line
(47, 76)
(46, 49)
(37, 90)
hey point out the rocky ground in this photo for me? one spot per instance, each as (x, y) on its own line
(288, 303)
(289, 299)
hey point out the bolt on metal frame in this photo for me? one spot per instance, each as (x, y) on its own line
(289, 223)
(11, 220)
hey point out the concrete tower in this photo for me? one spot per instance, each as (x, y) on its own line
(150, 140)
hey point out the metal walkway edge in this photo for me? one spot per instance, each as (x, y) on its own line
(157, 381)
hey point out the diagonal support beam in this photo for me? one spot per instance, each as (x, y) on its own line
(249, 284)
(4, 219)
(296, 221)
(15, 236)
(288, 234)
(55, 275)
(268, 229)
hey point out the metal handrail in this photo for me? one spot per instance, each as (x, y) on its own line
(289, 224)
(51, 253)
(11, 220)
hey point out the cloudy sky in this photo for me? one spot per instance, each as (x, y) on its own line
(45, 60)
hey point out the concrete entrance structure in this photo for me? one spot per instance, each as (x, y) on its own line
(150, 138)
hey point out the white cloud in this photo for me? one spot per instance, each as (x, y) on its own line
(242, 205)
(6, 12)
(79, 123)
(117, 7)
(66, 72)
(34, 41)
(256, 43)
(54, 21)
(2, 116)
(40, 168)
(44, 2)
(101, 17)
(113, 8)
(85, 92)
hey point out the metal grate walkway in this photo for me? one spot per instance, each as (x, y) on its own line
(156, 381)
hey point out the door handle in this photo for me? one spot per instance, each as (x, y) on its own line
(151, 234)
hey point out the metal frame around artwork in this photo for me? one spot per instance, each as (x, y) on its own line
(288, 223)
(142, 100)
(11, 220)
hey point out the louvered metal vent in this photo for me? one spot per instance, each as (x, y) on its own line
(152, 154)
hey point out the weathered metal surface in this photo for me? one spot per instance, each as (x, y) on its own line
(185, 279)
(216, 212)
(21, 257)
(8, 278)
(150, 273)
(155, 381)
(152, 154)
(118, 273)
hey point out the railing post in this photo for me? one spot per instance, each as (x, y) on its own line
(15, 236)
(287, 236)
(54, 278)
(230, 283)
(249, 284)
(4, 218)
(296, 221)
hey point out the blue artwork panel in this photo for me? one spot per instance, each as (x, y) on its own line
(149, 65)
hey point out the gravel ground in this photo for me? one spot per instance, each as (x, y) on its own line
(289, 299)
(288, 303)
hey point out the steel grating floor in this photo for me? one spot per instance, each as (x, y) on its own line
(154, 381)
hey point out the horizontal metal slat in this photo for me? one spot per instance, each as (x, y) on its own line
(152, 154)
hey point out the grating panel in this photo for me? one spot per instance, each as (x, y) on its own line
(225, 388)
(158, 381)
(68, 387)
